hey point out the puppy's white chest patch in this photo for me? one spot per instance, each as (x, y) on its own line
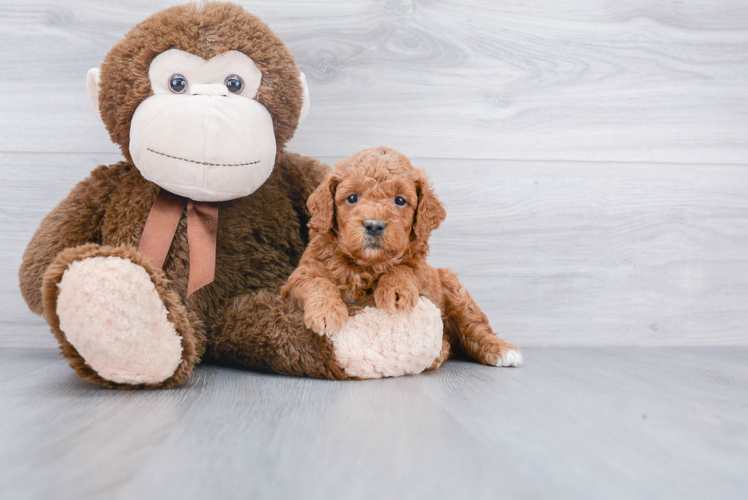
(376, 343)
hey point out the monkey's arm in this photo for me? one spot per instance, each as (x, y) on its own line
(76, 220)
(301, 176)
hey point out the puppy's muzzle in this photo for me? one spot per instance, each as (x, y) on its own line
(374, 227)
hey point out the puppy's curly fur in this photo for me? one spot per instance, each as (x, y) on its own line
(371, 220)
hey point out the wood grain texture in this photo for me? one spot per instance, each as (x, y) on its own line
(556, 254)
(578, 80)
(599, 254)
(588, 252)
(570, 423)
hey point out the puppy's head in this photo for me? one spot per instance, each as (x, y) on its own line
(377, 206)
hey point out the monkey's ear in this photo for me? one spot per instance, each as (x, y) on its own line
(321, 204)
(92, 84)
(306, 104)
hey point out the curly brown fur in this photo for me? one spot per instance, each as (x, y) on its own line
(346, 263)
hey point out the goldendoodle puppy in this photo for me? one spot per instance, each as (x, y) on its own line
(371, 220)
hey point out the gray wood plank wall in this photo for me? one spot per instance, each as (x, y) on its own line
(593, 155)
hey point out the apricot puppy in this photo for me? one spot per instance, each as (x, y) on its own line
(371, 220)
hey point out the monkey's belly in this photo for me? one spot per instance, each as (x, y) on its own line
(376, 343)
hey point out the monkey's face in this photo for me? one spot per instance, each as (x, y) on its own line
(200, 97)
(201, 134)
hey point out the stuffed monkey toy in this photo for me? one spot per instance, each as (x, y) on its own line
(176, 254)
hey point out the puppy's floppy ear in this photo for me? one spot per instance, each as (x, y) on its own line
(430, 212)
(321, 204)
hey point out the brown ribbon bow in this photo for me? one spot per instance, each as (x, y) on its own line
(202, 228)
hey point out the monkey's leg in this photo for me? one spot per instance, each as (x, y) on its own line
(264, 332)
(445, 355)
(117, 321)
(468, 325)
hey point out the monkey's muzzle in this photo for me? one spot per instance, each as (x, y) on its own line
(206, 146)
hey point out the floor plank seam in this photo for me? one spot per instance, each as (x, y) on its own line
(32, 370)
(443, 158)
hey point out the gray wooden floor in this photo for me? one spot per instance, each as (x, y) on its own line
(571, 423)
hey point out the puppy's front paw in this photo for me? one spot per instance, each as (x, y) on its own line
(391, 296)
(325, 317)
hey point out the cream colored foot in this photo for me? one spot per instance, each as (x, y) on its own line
(376, 343)
(111, 313)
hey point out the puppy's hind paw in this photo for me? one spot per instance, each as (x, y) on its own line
(511, 357)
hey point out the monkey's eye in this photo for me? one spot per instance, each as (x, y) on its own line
(234, 83)
(178, 84)
(400, 201)
(352, 199)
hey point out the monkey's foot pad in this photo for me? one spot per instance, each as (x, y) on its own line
(377, 343)
(111, 313)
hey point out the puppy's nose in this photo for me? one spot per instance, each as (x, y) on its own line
(374, 227)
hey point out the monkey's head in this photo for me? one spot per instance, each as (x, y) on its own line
(200, 98)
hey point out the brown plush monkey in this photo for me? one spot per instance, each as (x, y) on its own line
(177, 253)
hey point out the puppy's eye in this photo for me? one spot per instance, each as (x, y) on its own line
(234, 83)
(400, 201)
(177, 84)
(352, 199)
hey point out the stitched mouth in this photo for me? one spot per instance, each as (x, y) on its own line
(204, 162)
